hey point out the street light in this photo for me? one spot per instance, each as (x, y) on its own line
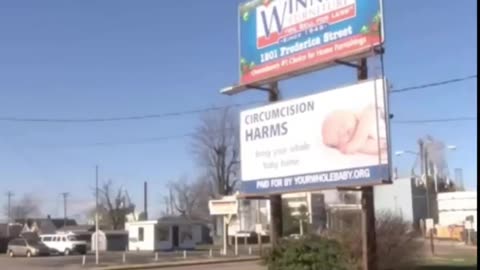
(399, 153)
(452, 147)
(424, 166)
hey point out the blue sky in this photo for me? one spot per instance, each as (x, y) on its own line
(81, 59)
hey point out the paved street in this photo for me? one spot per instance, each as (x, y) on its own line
(109, 259)
(450, 249)
(232, 266)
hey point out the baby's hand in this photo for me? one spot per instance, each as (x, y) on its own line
(345, 149)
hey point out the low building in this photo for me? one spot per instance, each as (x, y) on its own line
(44, 225)
(7, 232)
(457, 208)
(168, 233)
(404, 198)
(110, 241)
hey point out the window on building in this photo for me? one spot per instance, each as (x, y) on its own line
(141, 234)
(162, 234)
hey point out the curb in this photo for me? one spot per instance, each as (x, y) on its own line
(178, 264)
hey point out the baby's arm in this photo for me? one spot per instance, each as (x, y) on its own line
(359, 141)
(370, 147)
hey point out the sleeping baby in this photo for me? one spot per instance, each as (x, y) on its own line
(356, 132)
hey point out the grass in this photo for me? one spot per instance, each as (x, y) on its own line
(450, 262)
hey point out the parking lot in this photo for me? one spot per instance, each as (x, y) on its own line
(106, 259)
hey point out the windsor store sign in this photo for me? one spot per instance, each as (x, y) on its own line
(285, 37)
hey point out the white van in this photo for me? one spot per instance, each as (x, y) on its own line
(65, 244)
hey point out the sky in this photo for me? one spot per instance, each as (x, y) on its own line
(111, 58)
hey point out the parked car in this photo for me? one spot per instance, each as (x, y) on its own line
(65, 244)
(27, 247)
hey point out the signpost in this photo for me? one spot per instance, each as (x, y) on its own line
(304, 144)
(226, 207)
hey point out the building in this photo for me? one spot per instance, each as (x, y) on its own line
(405, 198)
(7, 232)
(110, 241)
(44, 225)
(167, 233)
(454, 208)
(254, 215)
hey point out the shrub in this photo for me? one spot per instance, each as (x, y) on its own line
(397, 246)
(307, 253)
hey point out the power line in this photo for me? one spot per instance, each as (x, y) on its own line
(441, 120)
(456, 80)
(124, 118)
(192, 134)
(201, 110)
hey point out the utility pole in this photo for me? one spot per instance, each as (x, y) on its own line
(9, 205)
(96, 215)
(369, 242)
(65, 195)
(424, 173)
(170, 200)
(145, 199)
(276, 221)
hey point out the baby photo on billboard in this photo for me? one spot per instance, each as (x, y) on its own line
(359, 131)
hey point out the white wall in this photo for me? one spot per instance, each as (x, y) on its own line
(395, 198)
(454, 207)
(164, 245)
(148, 243)
(197, 234)
(186, 243)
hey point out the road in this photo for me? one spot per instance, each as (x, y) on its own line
(228, 266)
(454, 250)
(75, 262)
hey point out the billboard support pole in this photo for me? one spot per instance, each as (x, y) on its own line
(369, 242)
(276, 221)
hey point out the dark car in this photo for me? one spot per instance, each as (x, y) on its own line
(27, 247)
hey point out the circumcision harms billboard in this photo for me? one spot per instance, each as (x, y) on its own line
(281, 37)
(337, 138)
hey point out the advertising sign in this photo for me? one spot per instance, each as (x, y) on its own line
(225, 206)
(337, 138)
(280, 37)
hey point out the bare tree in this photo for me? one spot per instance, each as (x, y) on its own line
(115, 204)
(216, 146)
(189, 198)
(347, 197)
(27, 207)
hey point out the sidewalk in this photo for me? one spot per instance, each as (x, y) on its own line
(180, 263)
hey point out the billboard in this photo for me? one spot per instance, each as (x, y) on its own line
(284, 37)
(225, 206)
(336, 138)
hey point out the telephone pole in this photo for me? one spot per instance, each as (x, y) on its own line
(369, 242)
(9, 205)
(96, 216)
(424, 172)
(276, 221)
(65, 195)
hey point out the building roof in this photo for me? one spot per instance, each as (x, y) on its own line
(112, 232)
(57, 223)
(77, 228)
(181, 220)
(3, 230)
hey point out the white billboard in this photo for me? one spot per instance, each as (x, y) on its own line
(223, 207)
(332, 139)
